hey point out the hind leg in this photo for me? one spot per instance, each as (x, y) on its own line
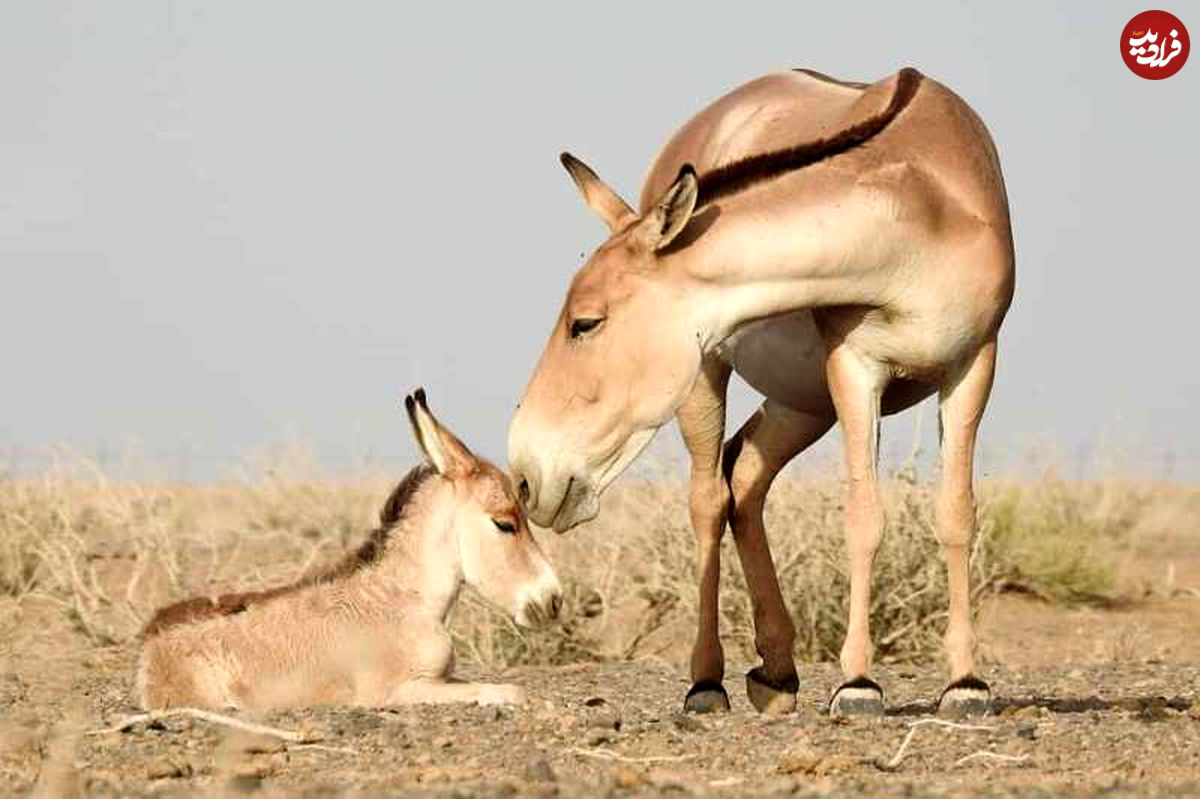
(769, 439)
(962, 403)
(857, 385)
(173, 672)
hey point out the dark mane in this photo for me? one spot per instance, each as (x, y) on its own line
(390, 516)
(740, 175)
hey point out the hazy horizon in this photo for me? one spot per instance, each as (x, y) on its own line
(226, 228)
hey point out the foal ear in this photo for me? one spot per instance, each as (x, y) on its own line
(670, 215)
(615, 212)
(443, 450)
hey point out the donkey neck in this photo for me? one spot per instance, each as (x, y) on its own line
(421, 561)
(776, 249)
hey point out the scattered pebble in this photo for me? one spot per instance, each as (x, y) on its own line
(539, 770)
(626, 777)
(166, 767)
(777, 786)
(685, 723)
(600, 735)
(800, 758)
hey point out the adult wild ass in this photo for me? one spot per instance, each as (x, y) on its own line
(370, 631)
(845, 248)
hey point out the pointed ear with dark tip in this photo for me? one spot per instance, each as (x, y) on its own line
(441, 448)
(670, 215)
(615, 212)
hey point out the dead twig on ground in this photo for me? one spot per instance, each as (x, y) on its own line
(912, 730)
(985, 755)
(608, 754)
(322, 748)
(299, 737)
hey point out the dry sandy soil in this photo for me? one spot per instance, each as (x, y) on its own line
(1089, 701)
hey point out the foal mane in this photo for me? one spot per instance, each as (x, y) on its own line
(746, 172)
(369, 552)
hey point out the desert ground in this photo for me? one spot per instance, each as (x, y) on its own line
(1088, 612)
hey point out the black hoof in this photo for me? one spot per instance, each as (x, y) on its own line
(861, 696)
(968, 696)
(706, 696)
(771, 696)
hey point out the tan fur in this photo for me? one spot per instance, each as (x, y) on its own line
(371, 630)
(848, 252)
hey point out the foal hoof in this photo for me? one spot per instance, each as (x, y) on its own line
(861, 696)
(773, 697)
(706, 696)
(967, 696)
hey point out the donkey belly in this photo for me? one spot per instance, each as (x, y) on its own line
(783, 358)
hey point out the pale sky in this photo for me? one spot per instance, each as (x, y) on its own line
(234, 225)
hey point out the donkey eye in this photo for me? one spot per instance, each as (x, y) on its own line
(580, 327)
(504, 527)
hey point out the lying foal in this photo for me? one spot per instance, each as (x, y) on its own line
(370, 631)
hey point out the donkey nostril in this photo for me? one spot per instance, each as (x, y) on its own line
(556, 602)
(523, 491)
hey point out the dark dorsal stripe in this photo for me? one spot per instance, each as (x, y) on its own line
(742, 174)
(850, 84)
(371, 550)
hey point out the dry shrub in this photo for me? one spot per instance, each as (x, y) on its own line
(107, 553)
(631, 584)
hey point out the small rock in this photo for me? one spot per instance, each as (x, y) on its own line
(443, 743)
(595, 701)
(686, 723)
(780, 786)
(626, 777)
(597, 736)
(163, 767)
(1028, 732)
(608, 721)
(1194, 712)
(253, 744)
(1153, 710)
(800, 758)
(539, 770)
(835, 764)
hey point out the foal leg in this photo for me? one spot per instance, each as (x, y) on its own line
(962, 401)
(764, 445)
(856, 386)
(702, 423)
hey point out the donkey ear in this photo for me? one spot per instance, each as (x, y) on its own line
(443, 450)
(670, 215)
(615, 212)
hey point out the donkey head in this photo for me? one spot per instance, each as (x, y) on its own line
(495, 550)
(621, 358)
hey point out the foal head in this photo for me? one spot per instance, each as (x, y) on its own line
(496, 552)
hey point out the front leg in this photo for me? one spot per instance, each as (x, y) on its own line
(436, 692)
(702, 424)
(962, 402)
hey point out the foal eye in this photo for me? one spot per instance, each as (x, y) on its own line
(582, 326)
(504, 527)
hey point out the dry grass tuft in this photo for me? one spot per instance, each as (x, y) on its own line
(106, 553)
